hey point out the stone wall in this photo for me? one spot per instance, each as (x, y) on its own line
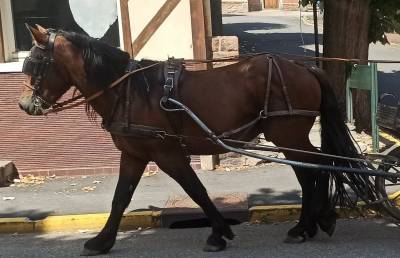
(393, 38)
(234, 6)
(224, 47)
(241, 6)
(290, 4)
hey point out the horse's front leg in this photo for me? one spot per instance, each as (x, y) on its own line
(131, 170)
(177, 166)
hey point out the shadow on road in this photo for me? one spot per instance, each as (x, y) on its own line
(34, 214)
(263, 37)
(267, 196)
(389, 83)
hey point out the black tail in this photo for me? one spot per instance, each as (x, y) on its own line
(336, 139)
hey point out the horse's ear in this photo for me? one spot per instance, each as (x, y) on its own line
(37, 36)
(41, 29)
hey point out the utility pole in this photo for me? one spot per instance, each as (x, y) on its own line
(316, 32)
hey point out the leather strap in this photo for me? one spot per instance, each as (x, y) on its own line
(172, 72)
(134, 130)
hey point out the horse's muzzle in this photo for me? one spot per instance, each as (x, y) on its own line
(31, 106)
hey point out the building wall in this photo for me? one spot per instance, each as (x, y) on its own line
(8, 33)
(172, 38)
(66, 141)
(63, 144)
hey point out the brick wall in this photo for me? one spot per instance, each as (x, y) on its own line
(62, 144)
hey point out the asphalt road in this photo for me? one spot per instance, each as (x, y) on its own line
(353, 238)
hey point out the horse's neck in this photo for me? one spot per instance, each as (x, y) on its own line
(143, 82)
(103, 103)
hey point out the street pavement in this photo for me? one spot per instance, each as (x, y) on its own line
(353, 238)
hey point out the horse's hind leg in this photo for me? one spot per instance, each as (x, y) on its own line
(326, 215)
(131, 170)
(293, 133)
(306, 227)
(178, 167)
(315, 201)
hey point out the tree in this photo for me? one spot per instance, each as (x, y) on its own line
(349, 27)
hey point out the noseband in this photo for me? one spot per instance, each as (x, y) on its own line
(37, 68)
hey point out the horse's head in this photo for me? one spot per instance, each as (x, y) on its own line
(48, 70)
(61, 59)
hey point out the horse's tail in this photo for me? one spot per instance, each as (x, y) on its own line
(336, 139)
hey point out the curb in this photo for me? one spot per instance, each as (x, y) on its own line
(84, 222)
(147, 219)
(134, 220)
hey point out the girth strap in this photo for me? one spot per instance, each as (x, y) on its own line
(134, 130)
(298, 112)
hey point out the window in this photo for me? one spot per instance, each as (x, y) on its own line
(82, 16)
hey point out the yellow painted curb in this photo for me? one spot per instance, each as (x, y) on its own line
(395, 196)
(389, 137)
(13, 225)
(143, 219)
(274, 213)
(281, 213)
(68, 223)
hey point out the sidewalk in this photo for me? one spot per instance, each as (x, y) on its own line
(267, 193)
(274, 184)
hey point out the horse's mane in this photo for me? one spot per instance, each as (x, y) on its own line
(103, 63)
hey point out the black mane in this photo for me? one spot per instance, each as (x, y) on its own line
(103, 63)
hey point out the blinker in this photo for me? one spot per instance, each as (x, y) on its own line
(35, 67)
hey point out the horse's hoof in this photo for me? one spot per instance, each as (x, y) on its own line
(328, 223)
(213, 248)
(215, 244)
(88, 252)
(229, 234)
(311, 233)
(329, 229)
(295, 239)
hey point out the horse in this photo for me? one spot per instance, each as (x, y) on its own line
(285, 96)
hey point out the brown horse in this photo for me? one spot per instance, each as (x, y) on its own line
(289, 96)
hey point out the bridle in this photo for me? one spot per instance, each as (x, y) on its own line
(37, 69)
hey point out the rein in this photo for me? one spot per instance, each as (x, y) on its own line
(297, 58)
(65, 105)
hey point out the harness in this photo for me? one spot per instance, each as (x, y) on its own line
(172, 72)
(38, 68)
